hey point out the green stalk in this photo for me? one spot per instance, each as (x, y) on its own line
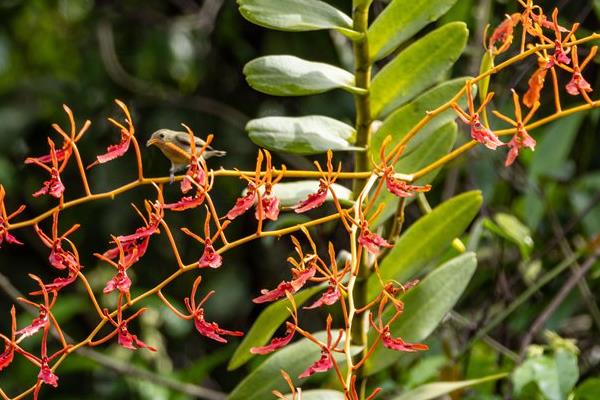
(362, 76)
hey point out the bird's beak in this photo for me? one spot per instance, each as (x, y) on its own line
(151, 142)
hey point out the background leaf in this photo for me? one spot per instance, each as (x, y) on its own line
(424, 307)
(437, 389)
(417, 67)
(302, 135)
(292, 76)
(290, 193)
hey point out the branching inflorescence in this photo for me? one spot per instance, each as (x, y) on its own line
(556, 49)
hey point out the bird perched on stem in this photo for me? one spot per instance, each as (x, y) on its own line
(176, 146)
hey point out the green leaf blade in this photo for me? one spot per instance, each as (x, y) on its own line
(416, 68)
(437, 144)
(400, 20)
(434, 390)
(426, 239)
(284, 75)
(308, 135)
(424, 307)
(265, 326)
(294, 15)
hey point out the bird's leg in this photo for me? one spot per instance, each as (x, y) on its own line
(172, 173)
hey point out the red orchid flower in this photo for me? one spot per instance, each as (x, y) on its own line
(330, 297)
(402, 189)
(54, 186)
(121, 280)
(578, 84)
(196, 312)
(323, 364)
(127, 134)
(43, 320)
(300, 279)
(59, 258)
(399, 344)
(244, 203)
(276, 343)
(5, 235)
(210, 257)
(136, 244)
(9, 348)
(64, 153)
(124, 338)
(371, 241)
(521, 138)
(313, 200)
(384, 330)
(196, 171)
(503, 34)
(186, 202)
(317, 199)
(326, 361)
(267, 205)
(479, 132)
(536, 83)
(394, 185)
(334, 288)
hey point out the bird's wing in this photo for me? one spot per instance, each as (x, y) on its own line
(183, 138)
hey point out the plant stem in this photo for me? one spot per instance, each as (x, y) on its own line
(362, 76)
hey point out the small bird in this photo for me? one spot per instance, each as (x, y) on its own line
(181, 140)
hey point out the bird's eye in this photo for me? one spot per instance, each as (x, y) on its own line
(162, 136)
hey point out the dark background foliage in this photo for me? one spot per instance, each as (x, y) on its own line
(181, 61)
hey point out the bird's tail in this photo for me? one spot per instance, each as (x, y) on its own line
(214, 153)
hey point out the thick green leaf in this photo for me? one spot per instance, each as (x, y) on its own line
(292, 76)
(400, 20)
(401, 121)
(437, 145)
(265, 326)
(311, 134)
(437, 389)
(424, 307)
(290, 193)
(417, 67)
(295, 15)
(426, 239)
(293, 359)
(509, 227)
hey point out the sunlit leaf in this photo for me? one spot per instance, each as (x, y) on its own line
(400, 20)
(416, 68)
(302, 135)
(285, 75)
(295, 15)
(401, 121)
